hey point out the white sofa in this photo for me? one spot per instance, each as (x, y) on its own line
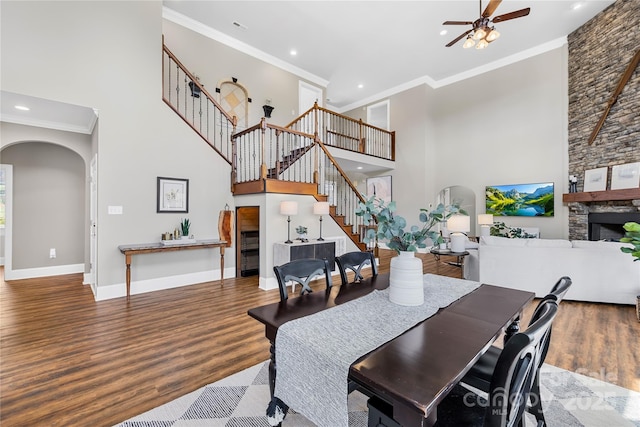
(599, 270)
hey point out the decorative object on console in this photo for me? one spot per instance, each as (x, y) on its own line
(321, 208)
(172, 195)
(485, 221)
(302, 233)
(573, 184)
(521, 199)
(288, 208)
(185, 225)
(458, 225)
(625, 176)
(595, 179)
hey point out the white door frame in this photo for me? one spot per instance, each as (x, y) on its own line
(93, 224)
(8, 225)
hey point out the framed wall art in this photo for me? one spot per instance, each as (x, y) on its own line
(173, 195)
(625, 176)
(520, 199)
(595, 179)
(380, 187)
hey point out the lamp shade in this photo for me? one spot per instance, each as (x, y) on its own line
(459, 224)
(321, 208)
(289, 208)
(485, 219)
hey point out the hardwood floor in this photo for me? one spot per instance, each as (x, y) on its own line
(67, 360)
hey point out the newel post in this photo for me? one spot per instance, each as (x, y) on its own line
(360, 136)
(263, 165)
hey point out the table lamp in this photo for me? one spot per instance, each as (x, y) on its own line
(288, 208)
(457, 225)
(321, 208)
(485, 221)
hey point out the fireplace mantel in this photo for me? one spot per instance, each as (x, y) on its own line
(602, 196)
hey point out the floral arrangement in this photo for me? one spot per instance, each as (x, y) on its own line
(392, 230)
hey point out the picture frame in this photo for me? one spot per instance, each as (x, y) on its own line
(595, 179)
(625, 176)
(380, 187)
(172, 195)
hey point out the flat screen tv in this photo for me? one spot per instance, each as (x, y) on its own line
(520, 199)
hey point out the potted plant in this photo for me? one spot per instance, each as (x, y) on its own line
(302, 233)
(405, 278)
(185, 225)
(632, 235)
(392, 228)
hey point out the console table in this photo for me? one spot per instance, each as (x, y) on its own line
(147, 248)
(285, 252)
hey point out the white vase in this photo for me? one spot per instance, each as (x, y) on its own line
(405, 280)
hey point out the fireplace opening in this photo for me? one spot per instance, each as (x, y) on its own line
(608, 225)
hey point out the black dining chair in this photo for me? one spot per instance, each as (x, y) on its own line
(480, 374)
(509, 388)
(301, 271)
(355, 261)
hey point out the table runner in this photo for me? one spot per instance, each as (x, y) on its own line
(314, 353)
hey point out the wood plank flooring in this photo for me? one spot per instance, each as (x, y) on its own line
(67, 360)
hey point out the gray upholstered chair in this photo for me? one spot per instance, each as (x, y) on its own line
(301, 271)
(355, 261)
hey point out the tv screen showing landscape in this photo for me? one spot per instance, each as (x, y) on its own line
(520, 199)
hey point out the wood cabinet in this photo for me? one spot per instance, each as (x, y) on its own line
(285, 252)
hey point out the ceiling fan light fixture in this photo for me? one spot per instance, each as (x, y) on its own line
(482, 44)
(468, 43)
(493, 35)
(479, 34)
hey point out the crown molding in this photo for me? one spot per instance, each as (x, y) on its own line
(236, 44)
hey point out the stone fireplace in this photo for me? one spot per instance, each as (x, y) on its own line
(595, 66)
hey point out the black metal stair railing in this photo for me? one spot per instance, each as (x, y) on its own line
(185, 95)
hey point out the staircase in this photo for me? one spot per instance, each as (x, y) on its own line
(270, 158)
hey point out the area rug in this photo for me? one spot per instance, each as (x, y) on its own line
(240, 400)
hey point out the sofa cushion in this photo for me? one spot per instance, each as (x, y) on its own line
(502, 241)
(600, 245)
(548, 243)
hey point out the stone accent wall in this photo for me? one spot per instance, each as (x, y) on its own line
(599, 53)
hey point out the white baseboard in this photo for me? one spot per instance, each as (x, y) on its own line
(31, 273)
(119, 290)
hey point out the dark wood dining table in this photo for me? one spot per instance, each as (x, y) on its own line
(413, 372)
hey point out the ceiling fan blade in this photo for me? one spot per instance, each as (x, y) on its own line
(491, 7)
(511, 15)
(457, 39)
(457, 23)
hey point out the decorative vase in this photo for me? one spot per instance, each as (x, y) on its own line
(638, 307)
(405, 280)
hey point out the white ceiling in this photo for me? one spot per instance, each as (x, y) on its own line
(384, 45)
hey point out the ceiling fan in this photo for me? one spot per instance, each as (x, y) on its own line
(482, 30)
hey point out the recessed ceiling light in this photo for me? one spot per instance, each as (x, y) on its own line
(359, 168)
(360, 86)
(443, 32)
(577, 6)
(293, 52)
(22, 108)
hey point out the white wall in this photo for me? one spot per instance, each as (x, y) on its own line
(107, 55)
(508, 126)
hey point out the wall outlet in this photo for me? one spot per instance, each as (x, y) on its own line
(52, 253)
